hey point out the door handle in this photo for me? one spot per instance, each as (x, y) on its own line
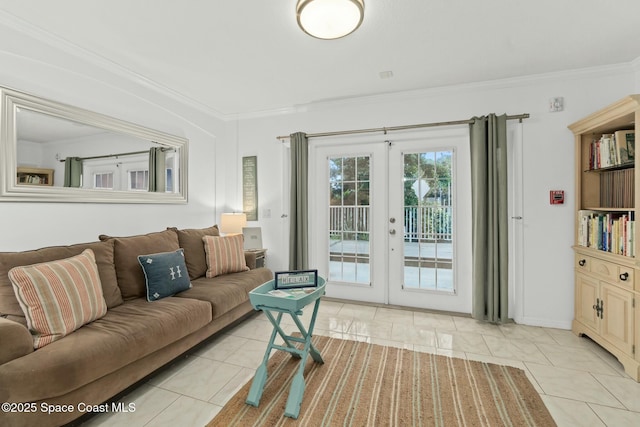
(599, 308)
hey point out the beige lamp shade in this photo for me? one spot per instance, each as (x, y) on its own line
(232, 223)
(329, 19)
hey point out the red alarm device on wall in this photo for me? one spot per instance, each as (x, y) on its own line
(556, 197)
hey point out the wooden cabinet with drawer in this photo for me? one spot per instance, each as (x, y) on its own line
(607, 291)
(605, 308)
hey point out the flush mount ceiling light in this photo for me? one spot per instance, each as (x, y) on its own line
(329, 19)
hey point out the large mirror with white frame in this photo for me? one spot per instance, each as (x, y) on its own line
(55, 152)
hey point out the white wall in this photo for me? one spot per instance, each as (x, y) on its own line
(547, 299)
(66, 75)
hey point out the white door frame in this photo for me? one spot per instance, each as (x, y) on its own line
(515, 139)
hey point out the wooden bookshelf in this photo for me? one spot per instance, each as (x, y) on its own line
(607, 270)
(34, 176)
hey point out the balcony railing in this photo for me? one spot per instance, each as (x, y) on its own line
(428, 223)
(421, 223)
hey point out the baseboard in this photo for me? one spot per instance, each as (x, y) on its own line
(545, 323)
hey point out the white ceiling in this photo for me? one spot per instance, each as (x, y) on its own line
(238, 57)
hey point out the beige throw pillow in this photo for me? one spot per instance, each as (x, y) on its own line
(59, 297)
(224, 254)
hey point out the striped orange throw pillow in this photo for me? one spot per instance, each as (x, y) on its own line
(225, 254)
(59, 297)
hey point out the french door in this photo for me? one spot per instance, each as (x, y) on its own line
(348, 218)
(390, 219)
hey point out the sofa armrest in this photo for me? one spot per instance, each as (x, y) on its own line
(250, 258)
(16, 340)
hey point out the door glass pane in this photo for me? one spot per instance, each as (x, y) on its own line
(349, 227)
(428, 225)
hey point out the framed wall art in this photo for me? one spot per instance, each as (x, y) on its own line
(250, 187)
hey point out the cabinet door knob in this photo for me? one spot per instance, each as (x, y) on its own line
(624, 276)
(582, 262)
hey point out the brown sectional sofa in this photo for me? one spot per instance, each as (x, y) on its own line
(134, 338)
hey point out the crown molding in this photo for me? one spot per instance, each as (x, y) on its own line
(505, 83)
(269, 112)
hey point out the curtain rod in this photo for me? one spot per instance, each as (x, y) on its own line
(106, 156)
(519, 117)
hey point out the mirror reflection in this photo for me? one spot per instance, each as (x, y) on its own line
(62, 153)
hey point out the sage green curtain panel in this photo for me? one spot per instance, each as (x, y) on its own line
(488, 139)
(72, 172)
(157, 167)
(299, 211)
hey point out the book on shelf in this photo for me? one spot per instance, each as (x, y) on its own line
(628, 139)
(625, 145)
(32, 179)
(617, 188)
(612, 149)
(607, 231)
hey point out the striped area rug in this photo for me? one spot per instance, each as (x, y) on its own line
(363, 384)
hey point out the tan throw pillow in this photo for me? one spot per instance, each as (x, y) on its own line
(224, 254)
(59, 297)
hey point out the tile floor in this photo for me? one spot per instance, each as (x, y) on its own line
(581, 384)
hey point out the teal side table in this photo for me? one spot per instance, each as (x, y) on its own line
(270, 304)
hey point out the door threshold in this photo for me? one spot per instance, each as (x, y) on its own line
(397, 307)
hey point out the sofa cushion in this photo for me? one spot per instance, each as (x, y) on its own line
(58, 297)
(165, 274)
(227, 291)
(126, 250)
(103, 251)
(124, 335)
(190, 240)
(224, 255)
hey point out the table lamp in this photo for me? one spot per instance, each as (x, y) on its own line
(232, 223)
